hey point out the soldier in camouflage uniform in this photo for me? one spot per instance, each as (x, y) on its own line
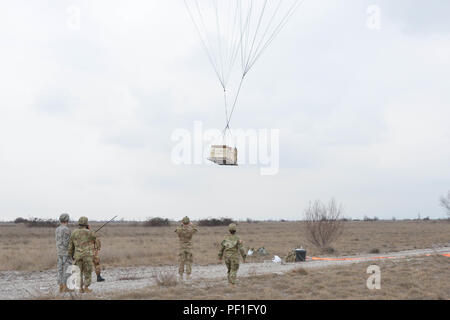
(231, 247)
(185, 233)
(62, 237)
(96, 260)
(81, 250)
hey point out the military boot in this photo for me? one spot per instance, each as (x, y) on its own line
(99, 278)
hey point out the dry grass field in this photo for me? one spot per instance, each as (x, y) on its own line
(127, 244)
(417, 278)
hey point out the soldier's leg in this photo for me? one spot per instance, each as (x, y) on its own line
(66, 262)
(97, 266)
(189, 260)
(181, 260)
(234, 270)
(79, 264)
(87, 271)
(60, 270)
(228, 264)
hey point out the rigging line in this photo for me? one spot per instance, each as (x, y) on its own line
(208, 49)
(272, 19)
(244, 32)
(226, 107)
(296, 5)
(275, 32)
(256, 33)
(241, 35)
(235, 100)
(229, 34)
(219, 36)
(234, 46)
(247, 31)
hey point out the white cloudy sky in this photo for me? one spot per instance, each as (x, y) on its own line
(86, 115)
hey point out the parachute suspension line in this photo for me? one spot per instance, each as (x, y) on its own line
(261, 41)
(245, 35)
(204, 41)
(234, 43)
(226, 106)
(219, 35)
(277, 30)
(256, 35)
(235, 101)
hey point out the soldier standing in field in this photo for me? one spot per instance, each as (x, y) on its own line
(96, 260)
(185, 233)
(81, 251)
(231, 247)
(62, 237)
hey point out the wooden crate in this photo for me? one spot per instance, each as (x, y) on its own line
(223, 155)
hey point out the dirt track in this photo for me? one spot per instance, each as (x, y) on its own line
(30, 285)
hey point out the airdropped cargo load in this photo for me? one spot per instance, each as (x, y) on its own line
(223, 155)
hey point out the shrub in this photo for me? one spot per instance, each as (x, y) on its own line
(445, 203)
(323, 224)
(156, 222)
(41, 223)
(213, 222)
(20, 220)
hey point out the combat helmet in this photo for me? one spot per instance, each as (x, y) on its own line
(83, 222)
(186, 220)
(64, 217)
(232, 227)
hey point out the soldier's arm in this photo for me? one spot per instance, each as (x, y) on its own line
(242, 250)
(222, 248)
(66, 237)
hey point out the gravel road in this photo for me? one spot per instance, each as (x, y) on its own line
(31, 285)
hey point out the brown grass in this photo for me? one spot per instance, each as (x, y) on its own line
(418, 278)
(123, 244)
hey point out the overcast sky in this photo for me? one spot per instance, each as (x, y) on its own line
(87, 114)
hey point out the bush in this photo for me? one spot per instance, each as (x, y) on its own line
(323, 224)
(213, 222)
(445, 203)
(157, 222)
(20, 220)
(41, 223)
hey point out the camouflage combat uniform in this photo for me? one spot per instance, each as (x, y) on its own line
(62, 237)
(96, 259)
(231, 247)
(185, 233)
(81, 250)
